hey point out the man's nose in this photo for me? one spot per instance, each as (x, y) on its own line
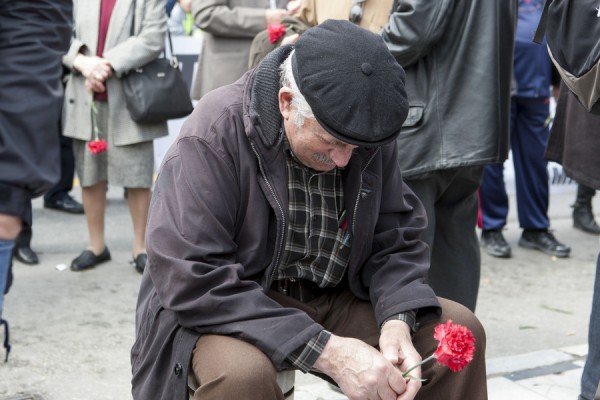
(341, 156)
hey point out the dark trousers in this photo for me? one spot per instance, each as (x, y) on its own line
(528, 139)
(67, 171)
(228, 368)
(450, 200)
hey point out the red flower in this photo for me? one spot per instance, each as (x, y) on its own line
(455, 350)
(456, 347)
(97, 146)
(275, 32)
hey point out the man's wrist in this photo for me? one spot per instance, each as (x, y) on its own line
(410, 317)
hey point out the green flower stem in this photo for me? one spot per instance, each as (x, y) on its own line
(95, 130)
(406, 374)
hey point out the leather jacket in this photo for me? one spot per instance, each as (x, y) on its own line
(457, 55)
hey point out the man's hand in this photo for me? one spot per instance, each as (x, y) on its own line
(397, 347)
(360, 370)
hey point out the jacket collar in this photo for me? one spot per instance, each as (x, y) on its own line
(264, 100)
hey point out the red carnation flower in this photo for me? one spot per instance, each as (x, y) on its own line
(456, 347)
(275, 31)
(97, 146)
(455, 350)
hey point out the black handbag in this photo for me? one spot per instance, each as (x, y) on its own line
(157, 92)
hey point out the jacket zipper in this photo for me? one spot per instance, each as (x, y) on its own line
(280, 207)
(360, 189)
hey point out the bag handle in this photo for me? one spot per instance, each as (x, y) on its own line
(538, 37)
(173, 59)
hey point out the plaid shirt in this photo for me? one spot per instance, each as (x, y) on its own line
(318, 242)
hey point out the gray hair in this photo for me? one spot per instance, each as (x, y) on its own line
(298, 101)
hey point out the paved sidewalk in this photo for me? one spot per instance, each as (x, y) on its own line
(72, 332)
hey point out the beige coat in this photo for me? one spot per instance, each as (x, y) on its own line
(375, 12)
(228, 28)
(125, 52)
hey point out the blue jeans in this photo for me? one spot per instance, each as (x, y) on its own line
(6, 247)
(591, 371)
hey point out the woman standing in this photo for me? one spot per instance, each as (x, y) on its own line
(228, 27)
(111, 37)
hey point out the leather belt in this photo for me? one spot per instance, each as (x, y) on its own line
(299, 289)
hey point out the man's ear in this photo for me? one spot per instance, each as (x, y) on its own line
(285, 102)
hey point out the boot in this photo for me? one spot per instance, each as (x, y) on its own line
(583, 219)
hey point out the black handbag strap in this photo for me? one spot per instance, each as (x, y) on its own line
(173, 59)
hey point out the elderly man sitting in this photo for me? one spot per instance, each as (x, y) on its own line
(281, 236)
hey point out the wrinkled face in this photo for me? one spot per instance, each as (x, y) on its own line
(312, 145)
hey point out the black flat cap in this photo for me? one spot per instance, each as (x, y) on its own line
(351, 81)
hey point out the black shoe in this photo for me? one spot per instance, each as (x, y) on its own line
(66, 204)
(139, 262)
(494, 244)
(545, 242)
(87, 259)
(26, 255)
(583, 219)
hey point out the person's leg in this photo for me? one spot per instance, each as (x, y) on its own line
(341, 313)
(22, 250)
(24, 238)
(229, 368)
(531, 176)
(494, 200)
(583, 216)
(58, 197)
(6, 247)
(584, 195)
(591, 372)
(450, 200)
(529, 141)
(94, 202)
(67, 170)
(138, 200)
(492, 192)
(469, 383)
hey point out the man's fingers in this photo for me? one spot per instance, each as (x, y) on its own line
(386, 393)
(397, 382)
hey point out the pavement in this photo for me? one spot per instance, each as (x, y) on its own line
(72, 332)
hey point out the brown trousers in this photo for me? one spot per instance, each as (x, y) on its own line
(228, 368)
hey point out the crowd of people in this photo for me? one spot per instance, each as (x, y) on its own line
(331, 177)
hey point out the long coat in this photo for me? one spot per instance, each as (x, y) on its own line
(575, 140)
(125, 52)
(228, 27)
